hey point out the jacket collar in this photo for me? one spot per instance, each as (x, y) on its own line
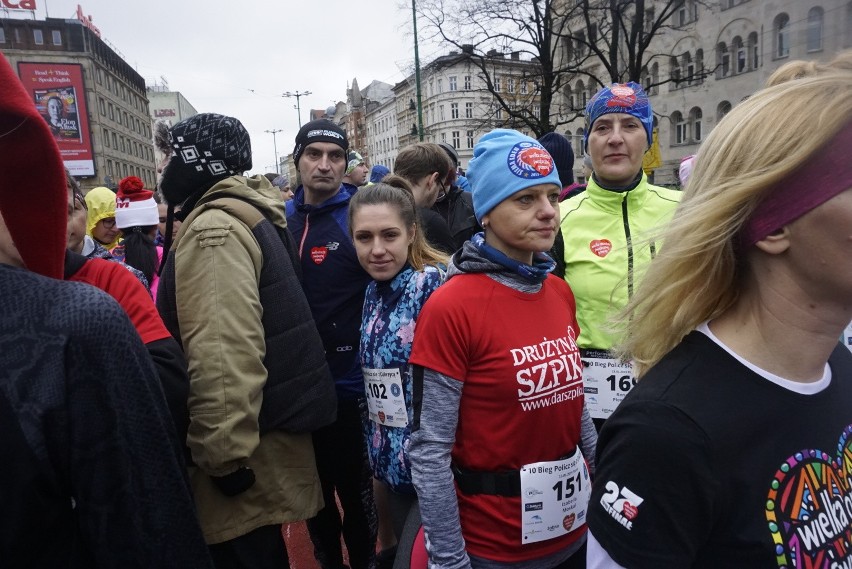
(610, 201)
(341, 197)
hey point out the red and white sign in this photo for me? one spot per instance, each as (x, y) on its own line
(87, 21)
(58, 93)
(28, 5)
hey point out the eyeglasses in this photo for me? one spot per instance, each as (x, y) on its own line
(109, 222)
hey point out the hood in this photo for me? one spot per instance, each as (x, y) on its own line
(256, 190)
(101, 205)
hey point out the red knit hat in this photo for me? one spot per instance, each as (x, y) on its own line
(33, 191)
(134, 205)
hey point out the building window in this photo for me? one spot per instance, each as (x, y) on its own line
(699, 67)
(579, 149)
(496, 84)
(753, 50)
(109, 167)
(100, 77)
(510, 84)
(815, 29)
(687, 68)
(695, 117)
(56, 36)
(38, 37)
(106, 138)
(124, 168)
(123, 146)
(523, 87)
(680, 136)
(723, 61)
(470, 139)
(111, 112)
(675, 72)
(441, 111)
(499, 113)
(454, 110)
(443, 137)
(2, 35)
(782, 35)
(440, 85)
(740, 51)
(114, 141)
(723, 109)
(453, 84)
(102, 106)
(456, 139)
(468, 110)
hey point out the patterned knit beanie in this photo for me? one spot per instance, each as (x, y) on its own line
(320, 130)
(352, 160)
(206, 148)
(134, 205)
(629, 98)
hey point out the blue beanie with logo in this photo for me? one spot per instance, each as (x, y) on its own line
(629, 98)
(505, 162)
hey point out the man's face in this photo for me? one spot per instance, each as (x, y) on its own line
(358, 176)
(321, 168)
(617, 143)
(54, 109)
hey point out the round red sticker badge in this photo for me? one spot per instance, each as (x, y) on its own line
(601, 247)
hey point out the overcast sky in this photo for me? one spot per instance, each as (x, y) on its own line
(236, 58)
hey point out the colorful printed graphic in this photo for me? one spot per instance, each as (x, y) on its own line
(809, 508)
(530, 160)
(58, 93)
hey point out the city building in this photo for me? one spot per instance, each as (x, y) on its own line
(165, 105)
(457, 107)
(715, 55)
(382, 138)
(94, 101)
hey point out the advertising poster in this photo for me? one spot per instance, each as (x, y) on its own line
(58, 94)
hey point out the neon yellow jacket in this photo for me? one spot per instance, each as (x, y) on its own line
(606, 249)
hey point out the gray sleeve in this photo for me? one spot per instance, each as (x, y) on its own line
(588, 438)
(430, 448)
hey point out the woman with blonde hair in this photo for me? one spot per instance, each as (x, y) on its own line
(734, 448)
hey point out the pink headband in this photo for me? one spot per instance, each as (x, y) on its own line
(827, 173)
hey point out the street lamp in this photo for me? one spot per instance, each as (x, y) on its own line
(275, 145)
(297, 94)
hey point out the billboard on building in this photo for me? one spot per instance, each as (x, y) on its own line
(58, 93)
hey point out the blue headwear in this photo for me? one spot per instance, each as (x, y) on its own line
(629, 98)
(505, 162)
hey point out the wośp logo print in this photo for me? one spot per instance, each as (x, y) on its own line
(809, 508)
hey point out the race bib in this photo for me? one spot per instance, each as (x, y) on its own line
(385, 398)
(606, 381)
(554, 497)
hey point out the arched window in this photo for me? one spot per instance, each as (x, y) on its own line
(580, 92)
(578, 143)
(782, 35)
(699, 66)
(723, 109)
(695, 116)
(753, 50)
(645, 79)
(655, 78)
(815, 16)
(740, 54)
(674, 72)
(687, 68)
(723, 61)
(679, 128)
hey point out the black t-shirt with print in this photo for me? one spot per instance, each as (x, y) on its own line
(708, 464)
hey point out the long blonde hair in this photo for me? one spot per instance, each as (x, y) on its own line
(396, 191)
(698, 273)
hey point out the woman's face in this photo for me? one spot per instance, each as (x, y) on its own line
(524, 223)
(76, 221)
(163, 210)
(820, 249)
(381, 240)
(105, 231)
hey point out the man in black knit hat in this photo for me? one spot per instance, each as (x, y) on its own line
(335, 283)
(259, 382)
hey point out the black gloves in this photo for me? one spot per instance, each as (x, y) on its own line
(236, 482)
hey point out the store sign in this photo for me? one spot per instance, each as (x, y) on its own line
(86, 20)
(20, 5)
(162, 113)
